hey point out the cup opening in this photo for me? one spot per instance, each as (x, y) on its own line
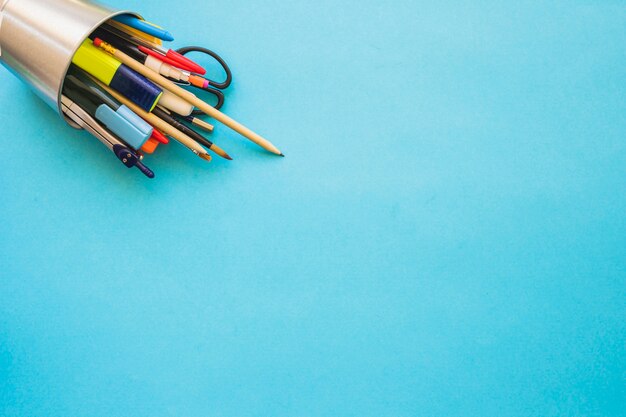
(98, 25)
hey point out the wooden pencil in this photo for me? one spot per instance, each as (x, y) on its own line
(160, 124)
(190, 97)
(168, 118)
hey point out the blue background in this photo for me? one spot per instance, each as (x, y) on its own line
(446, 236)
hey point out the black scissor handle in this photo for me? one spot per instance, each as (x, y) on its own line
(229, 76)
(214, 87)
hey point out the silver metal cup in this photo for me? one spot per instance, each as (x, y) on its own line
(38, 39)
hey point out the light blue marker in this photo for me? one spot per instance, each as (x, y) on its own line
(125, 124)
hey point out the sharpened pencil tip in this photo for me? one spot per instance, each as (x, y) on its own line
(283, 155)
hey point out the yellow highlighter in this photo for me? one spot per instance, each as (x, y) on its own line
(118, 76)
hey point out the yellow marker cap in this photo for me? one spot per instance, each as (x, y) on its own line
(96, 62)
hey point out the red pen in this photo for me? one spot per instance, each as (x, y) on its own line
(168, 56)
(175, 59)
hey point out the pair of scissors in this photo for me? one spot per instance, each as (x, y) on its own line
(214, 87)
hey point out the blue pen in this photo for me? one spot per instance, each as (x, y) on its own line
(144, 26)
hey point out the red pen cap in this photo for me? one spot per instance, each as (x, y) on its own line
(182, 59)
(175, 59)
(157, 135)
(163, 58)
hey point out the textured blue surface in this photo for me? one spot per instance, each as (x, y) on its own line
(446, 237)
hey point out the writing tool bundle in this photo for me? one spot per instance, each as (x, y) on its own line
(126, 89)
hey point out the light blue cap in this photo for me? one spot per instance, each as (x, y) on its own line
(134, 132)
(135, 120)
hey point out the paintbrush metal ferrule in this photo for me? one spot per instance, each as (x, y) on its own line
(199, 122)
